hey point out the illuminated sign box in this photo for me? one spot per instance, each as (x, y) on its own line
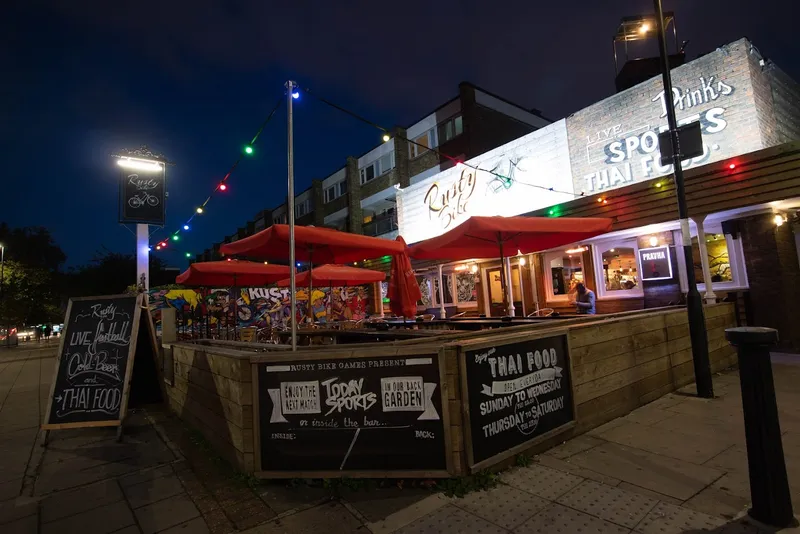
(655, 264)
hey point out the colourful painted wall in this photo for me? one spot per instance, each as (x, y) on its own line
(259, 306)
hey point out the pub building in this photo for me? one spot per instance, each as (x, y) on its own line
(743, 196)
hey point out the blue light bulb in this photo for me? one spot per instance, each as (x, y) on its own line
(185, 226)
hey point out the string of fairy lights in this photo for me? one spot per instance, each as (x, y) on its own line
(221, 186)
(248, 150)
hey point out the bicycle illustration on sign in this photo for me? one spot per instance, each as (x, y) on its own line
(142, 198)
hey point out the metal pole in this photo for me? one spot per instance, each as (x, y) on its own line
(769, 486)
(694, 303)
(143, 256)
(290, 85)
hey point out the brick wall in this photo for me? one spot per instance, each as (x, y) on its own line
(318, 200)
(716, 88)
(774, 276)
(355, 217)
(490, 129)
(786, 104)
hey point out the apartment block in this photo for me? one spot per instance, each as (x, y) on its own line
(360, 196)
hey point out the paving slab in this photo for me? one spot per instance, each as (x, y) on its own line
(17, 509)
(731, 429)
(377, 504)
(451, 520)
(719, 502)
(669, 476)
(164, 514)
(666, 443)
(329, 518)
(574, 446)
(618, 506)
(67, 503)
(151, 491)
(25, 525)
(503, 505)
(669, 519)
(145, 475)
(195, 526)
(627, 486)
(568, 466)
(541, 481)
(557, 519)
(102, 520)
(10, 489)
(284, 499)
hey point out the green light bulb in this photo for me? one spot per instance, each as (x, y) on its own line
(248, 149)
(175, 237)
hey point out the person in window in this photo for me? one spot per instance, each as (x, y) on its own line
(584, 300)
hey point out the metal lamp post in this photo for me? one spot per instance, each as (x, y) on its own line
(694, 302)
(290, 88)
(2, 284)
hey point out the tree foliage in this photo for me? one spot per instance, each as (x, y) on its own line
(109, 273)
(30, 273)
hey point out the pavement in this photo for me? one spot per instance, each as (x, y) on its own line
(677, 465)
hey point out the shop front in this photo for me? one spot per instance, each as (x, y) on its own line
(601, 162)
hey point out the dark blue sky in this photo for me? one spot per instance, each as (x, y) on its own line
(194, 80)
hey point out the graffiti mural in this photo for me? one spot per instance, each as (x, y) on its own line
(261, 307)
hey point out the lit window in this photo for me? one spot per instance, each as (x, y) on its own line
(719, 261)
(620, 271)
(422, 144)
(451, 128)
(566, 271)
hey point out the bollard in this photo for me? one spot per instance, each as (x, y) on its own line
(769, 486)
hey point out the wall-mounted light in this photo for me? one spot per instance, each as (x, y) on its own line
(779, 219)
(474, 268)
(644, 28)
(653, 241)
(139, 164)
(386, 138)
(577, 250)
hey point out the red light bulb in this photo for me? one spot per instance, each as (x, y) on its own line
(223, 187)
(732, 166)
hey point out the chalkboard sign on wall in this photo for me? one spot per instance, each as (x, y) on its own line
(516, 393)
(142, 196)
(319, 417)
(94, 362)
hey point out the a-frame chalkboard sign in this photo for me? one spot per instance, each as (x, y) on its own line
(102, 339)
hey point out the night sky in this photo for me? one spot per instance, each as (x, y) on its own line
(194, 80)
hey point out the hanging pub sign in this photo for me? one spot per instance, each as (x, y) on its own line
(515, 393)
(142, 194)
(102, 337)
(655, 264)
(351, 416)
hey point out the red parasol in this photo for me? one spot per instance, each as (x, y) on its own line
(312, 244)
(336, 275)
(232, 273)
(404, 290)
(490, 237)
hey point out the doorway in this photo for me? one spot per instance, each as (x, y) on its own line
(495, 286)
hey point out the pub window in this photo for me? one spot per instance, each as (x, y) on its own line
(617, 269)
(425, 290)
(447, 282)
(564, 271)
(466, 288)
(719, 260)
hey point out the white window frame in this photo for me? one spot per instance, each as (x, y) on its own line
(415, 151)
(600, 283)
(378, 168)
(279, 219)
(435, 294)
(335, 191)
(452, 120)
(736, 256)
(548, 281)
(306, 205)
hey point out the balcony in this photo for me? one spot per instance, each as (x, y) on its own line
(381, 225)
